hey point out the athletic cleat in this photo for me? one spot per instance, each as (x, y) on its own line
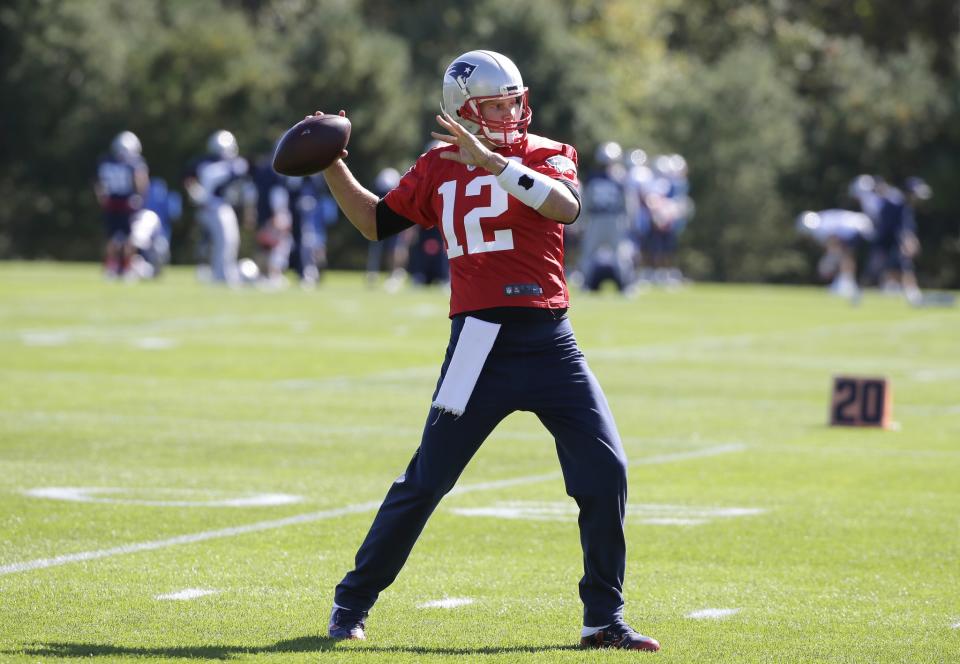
(346, 624)
(620, 635)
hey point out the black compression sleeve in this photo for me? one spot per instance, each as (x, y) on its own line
(389, 222)
(575, 190)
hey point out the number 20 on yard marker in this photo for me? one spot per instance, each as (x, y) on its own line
(861, 402)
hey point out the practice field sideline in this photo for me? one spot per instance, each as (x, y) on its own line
(187, 472)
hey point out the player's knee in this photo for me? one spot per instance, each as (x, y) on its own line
(604, 476)
(432, 489)
(613, 466)
(618, 471)
(427, 481)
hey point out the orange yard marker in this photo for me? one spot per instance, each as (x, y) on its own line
(861, 402)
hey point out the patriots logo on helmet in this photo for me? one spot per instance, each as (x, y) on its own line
(460, 71)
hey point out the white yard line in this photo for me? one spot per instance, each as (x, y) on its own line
(188, 539)
(110, 331)
(712, 614)
(172, 497)
(643, 513)
(155, 343)
(446, 603)
(310, 517)
(186, 594)
(646, 461)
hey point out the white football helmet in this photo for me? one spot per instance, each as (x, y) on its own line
(386, 180)
(126, 145)
(223, 144)
(637, 157)
(477, 76)
(609, 153)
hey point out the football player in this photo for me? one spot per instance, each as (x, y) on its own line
(500, 197)
(665, 209)
(840, 232)
(895, 243)
(213, 182)
(273, 223)
(312, 209)
(121, 184)
(389, 250)
(608, 209)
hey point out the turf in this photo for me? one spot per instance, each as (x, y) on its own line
(180, 392)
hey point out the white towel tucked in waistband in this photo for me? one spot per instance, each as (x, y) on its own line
(473, 346)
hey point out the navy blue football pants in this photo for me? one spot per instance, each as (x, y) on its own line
(536, 367)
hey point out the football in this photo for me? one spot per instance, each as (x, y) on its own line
(311, 145)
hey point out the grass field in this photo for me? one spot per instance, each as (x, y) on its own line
(756, 533)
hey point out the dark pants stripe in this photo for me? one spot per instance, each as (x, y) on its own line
(534, 367)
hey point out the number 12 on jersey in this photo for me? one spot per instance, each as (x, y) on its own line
(502, 238)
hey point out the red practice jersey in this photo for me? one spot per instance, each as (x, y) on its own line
(502, 252)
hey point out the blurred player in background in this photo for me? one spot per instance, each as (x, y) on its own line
(311, 209)
(427, 261)
(272, 236)
(151, 229)
(840, 233)
(215, 184)
(121, 185)
(166, 203)
(500, 197)
(392, 252)
(151, 251)
(608, 211)
(895, 244)
(665, 210)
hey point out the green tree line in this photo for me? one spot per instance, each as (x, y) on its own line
(775, 104)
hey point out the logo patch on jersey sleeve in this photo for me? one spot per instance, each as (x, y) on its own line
(563, 165)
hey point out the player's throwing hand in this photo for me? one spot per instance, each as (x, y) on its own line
(472, 152)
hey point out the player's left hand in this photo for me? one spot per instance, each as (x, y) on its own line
(472, 152)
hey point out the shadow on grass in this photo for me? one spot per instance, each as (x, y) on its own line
(301, 644)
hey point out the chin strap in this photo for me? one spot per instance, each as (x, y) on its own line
(501, 138)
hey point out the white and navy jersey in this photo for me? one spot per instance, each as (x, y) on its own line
(215, 175)
(845, 225)
(313, 202)
(604, 195)
(265, 180)
(895, 218)
(117, 182)
(607, 213)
